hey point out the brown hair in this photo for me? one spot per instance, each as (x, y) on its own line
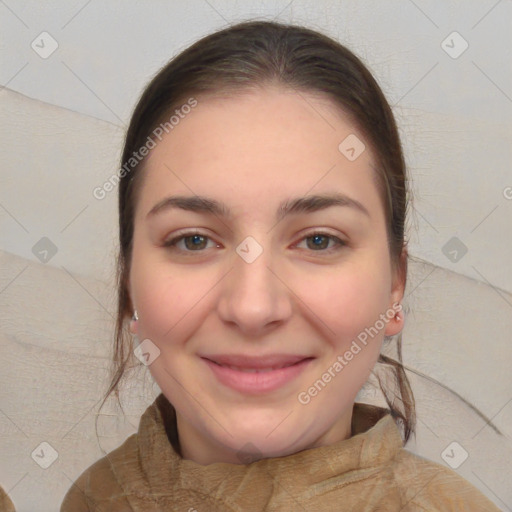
(249, 55)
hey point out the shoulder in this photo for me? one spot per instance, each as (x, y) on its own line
(6, 504)
(98, 486)
(427, 485)
(120, 478)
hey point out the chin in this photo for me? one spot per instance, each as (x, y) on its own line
(261, 439)
(250, 449)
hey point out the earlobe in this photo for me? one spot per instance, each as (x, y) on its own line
(396, 323)
(133, 322)
(135, 317)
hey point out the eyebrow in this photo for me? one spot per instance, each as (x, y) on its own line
(306, 204)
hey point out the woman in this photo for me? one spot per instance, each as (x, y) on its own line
(262, 202)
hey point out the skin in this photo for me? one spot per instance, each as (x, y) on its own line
(252, 151)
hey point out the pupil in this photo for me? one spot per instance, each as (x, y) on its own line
(318, 240)
(196, 240)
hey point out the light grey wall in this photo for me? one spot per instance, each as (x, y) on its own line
(454, 112)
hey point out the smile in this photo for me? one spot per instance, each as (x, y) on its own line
(255, 370)
(255, 378)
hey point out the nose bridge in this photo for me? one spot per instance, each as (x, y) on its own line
(251, 266)
(253, 297)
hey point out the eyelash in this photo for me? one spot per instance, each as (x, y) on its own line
(172, 243)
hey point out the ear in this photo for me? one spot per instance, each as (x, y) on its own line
(396, 324)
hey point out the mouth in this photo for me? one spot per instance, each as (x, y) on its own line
(253, 370)
(256, 375)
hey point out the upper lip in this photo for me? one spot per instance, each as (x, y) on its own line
(249, 362)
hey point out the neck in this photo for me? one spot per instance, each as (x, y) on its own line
(205, 450)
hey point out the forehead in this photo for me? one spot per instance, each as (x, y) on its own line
(252, 148)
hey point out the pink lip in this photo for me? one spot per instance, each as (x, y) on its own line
(256, 382)
(256, 362)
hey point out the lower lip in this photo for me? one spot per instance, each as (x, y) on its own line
(257, 382)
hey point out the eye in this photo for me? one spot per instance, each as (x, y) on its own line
(194, 242)
(320, 242)
(197, 242)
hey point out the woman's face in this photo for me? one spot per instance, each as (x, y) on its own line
(258, 283)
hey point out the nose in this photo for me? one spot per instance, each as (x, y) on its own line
(254, 296)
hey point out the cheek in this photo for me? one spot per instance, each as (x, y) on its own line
(349, 300)
(167, 299)
(170, 298)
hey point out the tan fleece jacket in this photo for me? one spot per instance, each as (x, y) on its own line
(370, 471)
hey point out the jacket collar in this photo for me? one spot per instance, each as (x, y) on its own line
(375, 440)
